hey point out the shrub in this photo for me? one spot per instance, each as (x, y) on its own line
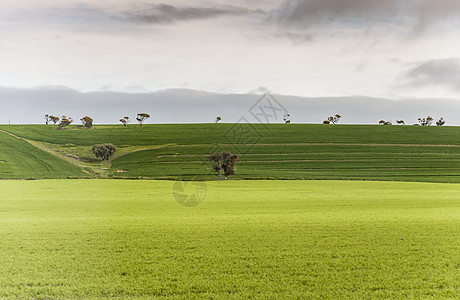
(104, 151)
(224, 162)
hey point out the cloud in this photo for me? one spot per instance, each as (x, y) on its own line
(86, 15)
(166, 14)
(399, 16)
(438, 72)
(296, 38)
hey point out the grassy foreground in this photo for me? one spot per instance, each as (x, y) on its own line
(248, 239)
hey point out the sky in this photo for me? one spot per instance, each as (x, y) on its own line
(396, 49)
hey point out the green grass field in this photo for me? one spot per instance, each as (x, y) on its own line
(279, 151)
(259, 239)
(20, 160)
(73, 239)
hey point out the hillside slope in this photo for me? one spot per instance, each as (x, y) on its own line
(20, 160)
(281, 151)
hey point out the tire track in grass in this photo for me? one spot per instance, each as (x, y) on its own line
(74, 160)
(47, 150)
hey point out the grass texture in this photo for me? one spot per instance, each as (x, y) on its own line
(276, 151)
(73, 239)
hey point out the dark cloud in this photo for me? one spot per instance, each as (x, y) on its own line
(410, 16)
(430, 12)
(83, 15)
(308, 13)
(439, 72)
(165, 13)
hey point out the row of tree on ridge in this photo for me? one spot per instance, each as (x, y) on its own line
(428, 121)
(87, 121)
(141, 117)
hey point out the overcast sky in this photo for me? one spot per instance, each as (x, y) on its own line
(314, 48)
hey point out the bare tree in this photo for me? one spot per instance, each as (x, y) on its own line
(141, 117)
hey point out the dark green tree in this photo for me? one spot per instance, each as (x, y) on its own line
(104, 151)
(224, 163)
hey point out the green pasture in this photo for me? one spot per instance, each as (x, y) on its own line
(74, 239)
(276, 151)
(190, 134)
(20, 160)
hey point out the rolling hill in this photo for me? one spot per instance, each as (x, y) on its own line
(21, 160)
(277, 151)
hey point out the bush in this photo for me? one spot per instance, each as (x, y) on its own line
(224, 162)
(104, 151)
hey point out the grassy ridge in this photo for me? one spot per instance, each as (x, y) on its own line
(184, 134)
(279, 151)
(258, 239)
(20, 160)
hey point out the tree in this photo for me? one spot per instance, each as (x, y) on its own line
(141, 117)
(425, 121)
(47, 119)
(104, 151)
(333, 119)
(125, 120)
(218, 119)
(400, 122)
(224, 162)
(383, 122)
(87, 122)
(287, 118)
(54, 119)
(441, 122)
(64, 122)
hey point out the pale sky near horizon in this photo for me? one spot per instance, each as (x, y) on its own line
(313, 48)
